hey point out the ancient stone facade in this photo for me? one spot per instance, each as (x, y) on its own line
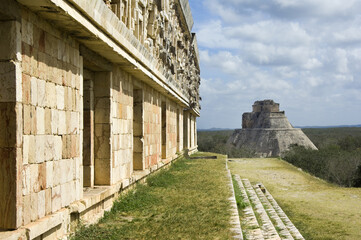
(94, 96)
(267, 131)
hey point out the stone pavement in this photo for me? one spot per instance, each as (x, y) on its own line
(262, 218)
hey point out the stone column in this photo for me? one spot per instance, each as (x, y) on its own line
(11, 126)
(88, 134)
(164, 130)
(102, 125)
(186, 142)
(138, 131)
(191, 119)
(195, 132)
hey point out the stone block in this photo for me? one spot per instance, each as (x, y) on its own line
(41, 93)
(66, 150)
(50, 44)
(58, 73)
(48, 121)
(62, 123)
(49, 148)
(8, 82)
(49, 174)
(74, 122)
(60, 97)
(26, 145)
(26, 180)
(75, 100)
(40, 145)
(26, 31)
(48, 201)
(58, 147)
(34, 71)
(34, 177)
(79, 189)
(51, 63)
(66, 194)
(102, 130)
(40, 120)
(77, 168)
(10, 41)
(19, 124)
(42, 176)
(51, 98)
(102, 169)
(55, 198)
(26, 58)
(88, 177)
(67, 98)
(34, 91)
(74, 144)
(26, 87)
(10, 188)
(67, 170)
(54, 121)
(8, 125)
(34, 206)
(31, 151)
(26, 209)
(56, 173)
(42, 66)
(41, 204)
(29, 116)
(102, 147)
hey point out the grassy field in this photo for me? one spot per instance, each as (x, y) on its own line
(187, 201)
(319, 210)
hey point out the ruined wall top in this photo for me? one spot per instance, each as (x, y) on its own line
(266, 106)
(266, 114)
(164, 30)
(187, 13)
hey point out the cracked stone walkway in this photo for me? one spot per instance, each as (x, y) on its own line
(262, 218)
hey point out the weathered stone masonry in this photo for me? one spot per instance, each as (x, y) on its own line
(94, 95)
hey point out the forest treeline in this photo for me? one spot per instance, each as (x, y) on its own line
(338, 159)
(216, 141)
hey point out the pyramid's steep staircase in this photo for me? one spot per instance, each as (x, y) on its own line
(262, 218)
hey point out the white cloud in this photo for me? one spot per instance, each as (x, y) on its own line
(304, 54)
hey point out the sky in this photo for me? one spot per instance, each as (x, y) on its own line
(303, 54)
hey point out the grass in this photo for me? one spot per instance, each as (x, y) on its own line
(241, 204)
(318, 209)
(187, 201)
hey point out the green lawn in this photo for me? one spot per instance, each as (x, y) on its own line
(318, 209)
(187, 201)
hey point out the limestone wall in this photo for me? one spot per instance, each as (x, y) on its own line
(76, 125)
(52, 107)
(10, 121)
(172, 129)
(152, 127)
(122, 125)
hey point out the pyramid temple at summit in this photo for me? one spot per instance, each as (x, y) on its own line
(267, 131)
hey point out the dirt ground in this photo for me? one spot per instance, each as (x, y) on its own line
(320, 210)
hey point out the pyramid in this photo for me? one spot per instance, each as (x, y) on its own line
(267, 131)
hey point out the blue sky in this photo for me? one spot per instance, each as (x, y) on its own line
(304, 54)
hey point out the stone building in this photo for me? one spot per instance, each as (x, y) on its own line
(267, 131)
(94, 95)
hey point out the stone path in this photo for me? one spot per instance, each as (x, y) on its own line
(262, 218)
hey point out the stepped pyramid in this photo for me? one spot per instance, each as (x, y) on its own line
(267, 131)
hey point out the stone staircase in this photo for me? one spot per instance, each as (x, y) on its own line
(262, 218)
